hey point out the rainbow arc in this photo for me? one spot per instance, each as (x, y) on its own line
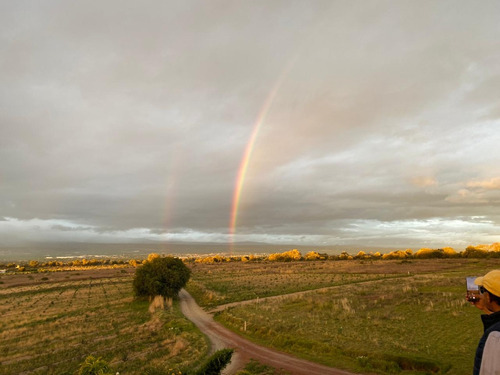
(245, 161)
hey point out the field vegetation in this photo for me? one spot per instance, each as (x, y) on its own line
(388, 316)
(51, 327)
(399, 312)
(255, 368)
(216, 284)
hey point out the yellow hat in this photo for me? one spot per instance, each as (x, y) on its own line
(490, 281)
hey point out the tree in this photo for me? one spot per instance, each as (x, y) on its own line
(162, 276)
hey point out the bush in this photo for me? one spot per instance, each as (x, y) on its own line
(313, 255)
(426, 253)
(473, 252)
(94, 366)
(161, 277)
(216, 363)
(255, 368)
(287, 256)
(399, 254)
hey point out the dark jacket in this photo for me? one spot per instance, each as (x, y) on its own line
(491, 323)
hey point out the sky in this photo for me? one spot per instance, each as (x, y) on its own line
(373, 123)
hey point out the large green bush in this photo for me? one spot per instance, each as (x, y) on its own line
(164, 276)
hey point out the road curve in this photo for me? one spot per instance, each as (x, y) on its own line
(221, 337)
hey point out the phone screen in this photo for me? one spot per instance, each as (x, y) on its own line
(470, 283)
(472, 289)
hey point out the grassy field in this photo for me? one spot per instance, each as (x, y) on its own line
(377, 317)
(406, 317)
(52, 321)
(221, 283)
(255, 368)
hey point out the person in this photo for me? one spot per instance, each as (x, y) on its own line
(487, 359)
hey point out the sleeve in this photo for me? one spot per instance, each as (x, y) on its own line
(490, 364)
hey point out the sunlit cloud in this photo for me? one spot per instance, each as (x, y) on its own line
(490, 184)
(458, 232)
(424, 181)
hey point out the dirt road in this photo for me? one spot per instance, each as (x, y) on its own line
(221, 337)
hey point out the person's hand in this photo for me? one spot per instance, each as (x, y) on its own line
(480, 304)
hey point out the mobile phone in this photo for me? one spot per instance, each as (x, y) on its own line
(472, 289)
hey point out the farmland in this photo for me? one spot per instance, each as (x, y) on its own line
(370, 317)
(52, 321)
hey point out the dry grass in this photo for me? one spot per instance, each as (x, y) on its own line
(49, 328)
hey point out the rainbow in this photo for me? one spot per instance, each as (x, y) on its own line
(243, 168)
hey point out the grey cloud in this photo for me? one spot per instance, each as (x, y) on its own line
(129, 115)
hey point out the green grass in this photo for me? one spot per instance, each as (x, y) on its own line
(255, 368)
(418, 323)
(213, 285)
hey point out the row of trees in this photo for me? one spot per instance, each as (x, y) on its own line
(94, 262)
(477, 251)
(35, 264)
(287, 256)
(426, 253)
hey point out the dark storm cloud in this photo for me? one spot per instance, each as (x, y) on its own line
(124, 120)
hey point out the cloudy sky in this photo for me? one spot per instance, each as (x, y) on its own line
(337, 122)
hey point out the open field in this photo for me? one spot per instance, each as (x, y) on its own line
(52, 321)
(387, 316)
(378, 317)
(220, 283)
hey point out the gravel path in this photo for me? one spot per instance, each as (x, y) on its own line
(221, 337)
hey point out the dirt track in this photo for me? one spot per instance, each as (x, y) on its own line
(221, 337)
